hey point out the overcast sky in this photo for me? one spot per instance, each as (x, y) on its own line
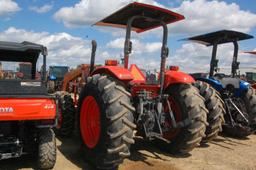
(65, 28)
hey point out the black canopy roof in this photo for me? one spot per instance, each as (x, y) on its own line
(21, 52)
(220, 37)
(119, 19)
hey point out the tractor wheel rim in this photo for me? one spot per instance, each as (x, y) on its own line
(90, 122)
(169, 135)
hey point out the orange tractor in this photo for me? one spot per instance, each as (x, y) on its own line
(71, 83)
(117, 101)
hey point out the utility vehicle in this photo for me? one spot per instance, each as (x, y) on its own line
(27, 112)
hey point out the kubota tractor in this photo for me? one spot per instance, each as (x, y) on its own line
(238, 96)
(27, 112)
(116, 101)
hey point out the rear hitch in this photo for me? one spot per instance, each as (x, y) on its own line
(10, 148)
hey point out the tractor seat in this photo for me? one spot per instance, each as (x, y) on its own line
(219, 76)
(230, 81)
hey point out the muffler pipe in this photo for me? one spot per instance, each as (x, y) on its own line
(94, 47)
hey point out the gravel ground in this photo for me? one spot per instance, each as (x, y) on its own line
(223, 153)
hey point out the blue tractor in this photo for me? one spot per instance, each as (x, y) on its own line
(239, 98)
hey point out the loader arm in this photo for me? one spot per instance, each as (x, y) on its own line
(73, 74)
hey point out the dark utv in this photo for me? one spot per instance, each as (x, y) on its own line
(27, 112)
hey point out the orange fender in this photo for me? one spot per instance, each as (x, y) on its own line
(177, 77)
(117, 72)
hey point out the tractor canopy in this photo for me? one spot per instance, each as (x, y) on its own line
(120, 18)
(220, 37)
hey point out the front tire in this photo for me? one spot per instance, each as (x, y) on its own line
(66, 121)
(46, 149)
(186, 104)
(105, 107)
(216, 108)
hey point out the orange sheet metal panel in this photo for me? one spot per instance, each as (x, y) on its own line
(27, 109)
(139, 77)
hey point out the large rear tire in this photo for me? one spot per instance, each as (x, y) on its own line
(105, 107)
(249, 99)
(188, 106)
(66, 121)
(46, 149)
(216, 108)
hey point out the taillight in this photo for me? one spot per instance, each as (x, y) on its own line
(174, 68)
(111, 62)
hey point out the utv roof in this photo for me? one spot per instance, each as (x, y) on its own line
(21, 52)
(220, 37)
(120, 18)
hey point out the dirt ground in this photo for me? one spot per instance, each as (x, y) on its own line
(223, 153)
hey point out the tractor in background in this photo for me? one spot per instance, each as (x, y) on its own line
(55, 77)
(24, 70)
(251, 76)
(27, 112)
(71, 85)
(239, 98)
(116, 101)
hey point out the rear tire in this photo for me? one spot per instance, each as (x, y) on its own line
(46, 149)
(67, 110)
(249, 99)
(247, 105)
(215, 106)
(191, 106)
(116, 122)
